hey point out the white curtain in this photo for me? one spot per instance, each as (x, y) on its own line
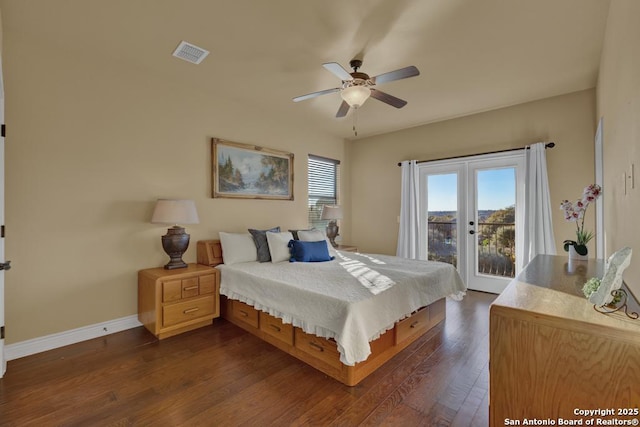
(409, 234)
(538, 226)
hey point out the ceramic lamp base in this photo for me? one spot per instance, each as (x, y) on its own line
(175, 243)
(332, 232)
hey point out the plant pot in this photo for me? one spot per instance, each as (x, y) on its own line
(575, 255)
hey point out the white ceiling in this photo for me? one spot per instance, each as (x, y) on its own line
(473, 55)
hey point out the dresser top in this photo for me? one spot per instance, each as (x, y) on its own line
(561, 274)
(190, 270)
(549, 289)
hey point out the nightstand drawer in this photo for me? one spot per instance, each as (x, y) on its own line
(174, 290)
(171, 290)
(190, 287)
(346, 248)
(245, 313)
(184, 311)
(207, 284)
(273, 326)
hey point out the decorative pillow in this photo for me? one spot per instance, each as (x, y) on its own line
(237, 247)
(295, 232)
(260, 239)
(278, 245)
(315, 235)
(302, 251)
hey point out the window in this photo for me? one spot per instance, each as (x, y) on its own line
(324, 184)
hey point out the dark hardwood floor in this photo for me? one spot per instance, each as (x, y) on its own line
(223, 376)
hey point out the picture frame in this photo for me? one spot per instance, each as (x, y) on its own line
(245, 171)
(612, 278)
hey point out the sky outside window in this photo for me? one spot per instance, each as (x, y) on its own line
(496, 190)
(442, 192)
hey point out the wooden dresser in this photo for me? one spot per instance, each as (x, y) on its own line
(552, 355)
(174, 301)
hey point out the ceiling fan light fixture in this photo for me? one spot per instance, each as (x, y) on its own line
(355, 95)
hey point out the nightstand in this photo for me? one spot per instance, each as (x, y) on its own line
(346, 248)
(174, 301)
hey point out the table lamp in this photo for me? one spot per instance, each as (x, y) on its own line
(176, 241)
(332, 213)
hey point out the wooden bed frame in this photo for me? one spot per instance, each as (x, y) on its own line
(321, 353)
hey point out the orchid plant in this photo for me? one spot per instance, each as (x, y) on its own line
(575, 212)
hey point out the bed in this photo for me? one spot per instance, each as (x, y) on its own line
(345, 317)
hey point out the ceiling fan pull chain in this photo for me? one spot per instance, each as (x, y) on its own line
(355, 121)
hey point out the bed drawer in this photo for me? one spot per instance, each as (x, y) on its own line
(437, 311)
(320, 348)
(273, 326)
(416, 324)
(245, 313)
(187, 310)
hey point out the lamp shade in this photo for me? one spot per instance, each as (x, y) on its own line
(175, 211)
(331, 212)
(355, 95)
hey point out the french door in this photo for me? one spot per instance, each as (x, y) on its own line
(3, 362)
(471, 212)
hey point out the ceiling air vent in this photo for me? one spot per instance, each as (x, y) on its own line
(190, 53)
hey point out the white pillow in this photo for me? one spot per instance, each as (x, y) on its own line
(316, 236)
(279, 245)
(237, 247)
(311, 235)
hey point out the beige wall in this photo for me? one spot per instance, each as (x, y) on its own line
(619, 105)
(91, 145)
(567, 120)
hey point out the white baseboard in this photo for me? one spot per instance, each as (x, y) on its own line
(49, 342)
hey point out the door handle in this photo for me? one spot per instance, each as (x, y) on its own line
(472, 232)
(471, 222)
(5, 265)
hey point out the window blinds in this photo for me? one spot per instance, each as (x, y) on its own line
(323, 185)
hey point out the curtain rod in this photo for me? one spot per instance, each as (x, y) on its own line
(547, 145)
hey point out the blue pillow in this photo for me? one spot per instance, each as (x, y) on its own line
(309, 251)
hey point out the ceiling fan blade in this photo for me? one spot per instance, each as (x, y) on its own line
(402, 73)
(314, 94)
(343, 110)
(338, 70)
(388, 99)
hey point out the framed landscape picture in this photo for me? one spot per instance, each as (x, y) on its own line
(250, 172)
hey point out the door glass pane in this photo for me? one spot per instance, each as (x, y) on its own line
(496, 228)
(442, 206)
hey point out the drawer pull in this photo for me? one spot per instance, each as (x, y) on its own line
(276, 327)
(190, 288)
(316, 346)
(414, 324)
(191, 310)
(243, 313)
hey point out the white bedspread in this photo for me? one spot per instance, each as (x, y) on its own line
(352, 299)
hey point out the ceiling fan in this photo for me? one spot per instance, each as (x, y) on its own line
(357, 87)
